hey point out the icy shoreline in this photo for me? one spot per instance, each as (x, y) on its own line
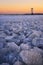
(21, 40)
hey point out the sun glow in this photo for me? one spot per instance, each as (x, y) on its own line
(21, 6)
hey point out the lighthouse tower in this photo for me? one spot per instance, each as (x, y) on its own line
(32, 11)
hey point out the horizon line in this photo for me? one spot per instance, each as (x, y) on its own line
(21, 13)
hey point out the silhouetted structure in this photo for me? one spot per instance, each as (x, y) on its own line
(32, 11)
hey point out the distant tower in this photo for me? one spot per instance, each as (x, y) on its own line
(32, 11)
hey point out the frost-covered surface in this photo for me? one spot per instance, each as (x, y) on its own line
(21, 40)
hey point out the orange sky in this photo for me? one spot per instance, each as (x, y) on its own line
(21, 6)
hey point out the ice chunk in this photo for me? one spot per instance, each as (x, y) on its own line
(35, 34)
(10, 57)
(31, 57)
(8, 37)
(25, 46)
(38, 42)
(17, 28)
(38, 50)
(27, 40)
(22, 36)
(8, 30)
(13, 46)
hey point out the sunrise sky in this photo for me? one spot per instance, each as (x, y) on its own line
(21, 6)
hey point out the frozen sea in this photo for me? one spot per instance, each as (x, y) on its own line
(21, 39)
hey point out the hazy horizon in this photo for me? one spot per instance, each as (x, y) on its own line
(20, 6)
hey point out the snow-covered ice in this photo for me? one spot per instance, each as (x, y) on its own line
(31, 57)
(21, 39)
